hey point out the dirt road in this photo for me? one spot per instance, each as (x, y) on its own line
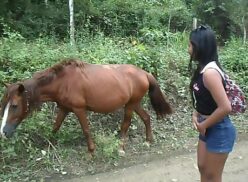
(182, 168)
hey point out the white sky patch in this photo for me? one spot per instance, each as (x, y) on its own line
(5, 117)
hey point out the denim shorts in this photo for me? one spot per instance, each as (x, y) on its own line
(220, 137)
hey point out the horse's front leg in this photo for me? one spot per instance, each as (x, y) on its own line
(128, 111)
(81, 114)
(62, 113)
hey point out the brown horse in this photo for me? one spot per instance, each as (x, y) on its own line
(77, 87)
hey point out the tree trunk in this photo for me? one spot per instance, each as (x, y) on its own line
(72, 29)
(244, 29)
(245, 35)
(168, 33)
(169, 23)
(194, 23)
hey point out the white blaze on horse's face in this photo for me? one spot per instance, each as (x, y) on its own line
(5, 117)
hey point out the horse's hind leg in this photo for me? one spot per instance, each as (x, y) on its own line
(62, 113)
(146, 119)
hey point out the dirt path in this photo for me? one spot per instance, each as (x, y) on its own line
(182, 168)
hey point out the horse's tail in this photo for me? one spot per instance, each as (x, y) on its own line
(158, 101)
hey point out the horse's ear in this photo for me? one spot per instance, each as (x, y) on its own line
(21, 88)
(6, 84)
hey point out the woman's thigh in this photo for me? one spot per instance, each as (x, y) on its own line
(206, 159)
(201, 154)
(214, 164)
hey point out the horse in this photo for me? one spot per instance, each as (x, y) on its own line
(76, 86)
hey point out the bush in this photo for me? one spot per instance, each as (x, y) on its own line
(234, 58)
(162, 53)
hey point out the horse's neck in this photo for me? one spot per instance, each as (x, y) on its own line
(47, 92)
(32, 94)
(46, 95)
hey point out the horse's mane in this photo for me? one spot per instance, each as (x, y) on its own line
(46, 76)
(66, 62)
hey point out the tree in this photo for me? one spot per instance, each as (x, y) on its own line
(239, 15)
(72, 28)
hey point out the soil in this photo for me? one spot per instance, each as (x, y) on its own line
(180, 166)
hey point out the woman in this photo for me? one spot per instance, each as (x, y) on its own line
(210, 118)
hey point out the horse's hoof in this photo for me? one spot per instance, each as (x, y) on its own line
(90, 156)
(147, 144)
(121, 152)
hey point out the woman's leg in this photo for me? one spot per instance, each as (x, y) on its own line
(215, 163)
(210, 164)
(201, 158)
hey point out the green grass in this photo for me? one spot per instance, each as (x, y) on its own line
(34, 150)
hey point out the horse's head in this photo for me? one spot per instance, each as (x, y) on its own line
(14, 108)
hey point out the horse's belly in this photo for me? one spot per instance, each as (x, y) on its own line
(107, 105)
(105, 110)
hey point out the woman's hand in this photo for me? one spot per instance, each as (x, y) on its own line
(194, 119)
(199, 126)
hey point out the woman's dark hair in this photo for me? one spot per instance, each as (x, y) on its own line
(204, 45)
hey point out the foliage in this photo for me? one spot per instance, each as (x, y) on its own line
(240, 16)
(35, 150)
(107, 144)
(121, 18)
(152, 34)
(241, 11)
(221, 21)
(113, 17)
(234, 59)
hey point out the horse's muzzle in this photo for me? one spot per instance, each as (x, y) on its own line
(2, 135)
(8, 130)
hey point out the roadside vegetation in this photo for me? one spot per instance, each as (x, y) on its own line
(34, 150)
(34, 153)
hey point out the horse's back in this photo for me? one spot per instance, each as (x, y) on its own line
(127, 76)
(104, 88)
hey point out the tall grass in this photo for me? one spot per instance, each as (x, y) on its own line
(34, 149)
